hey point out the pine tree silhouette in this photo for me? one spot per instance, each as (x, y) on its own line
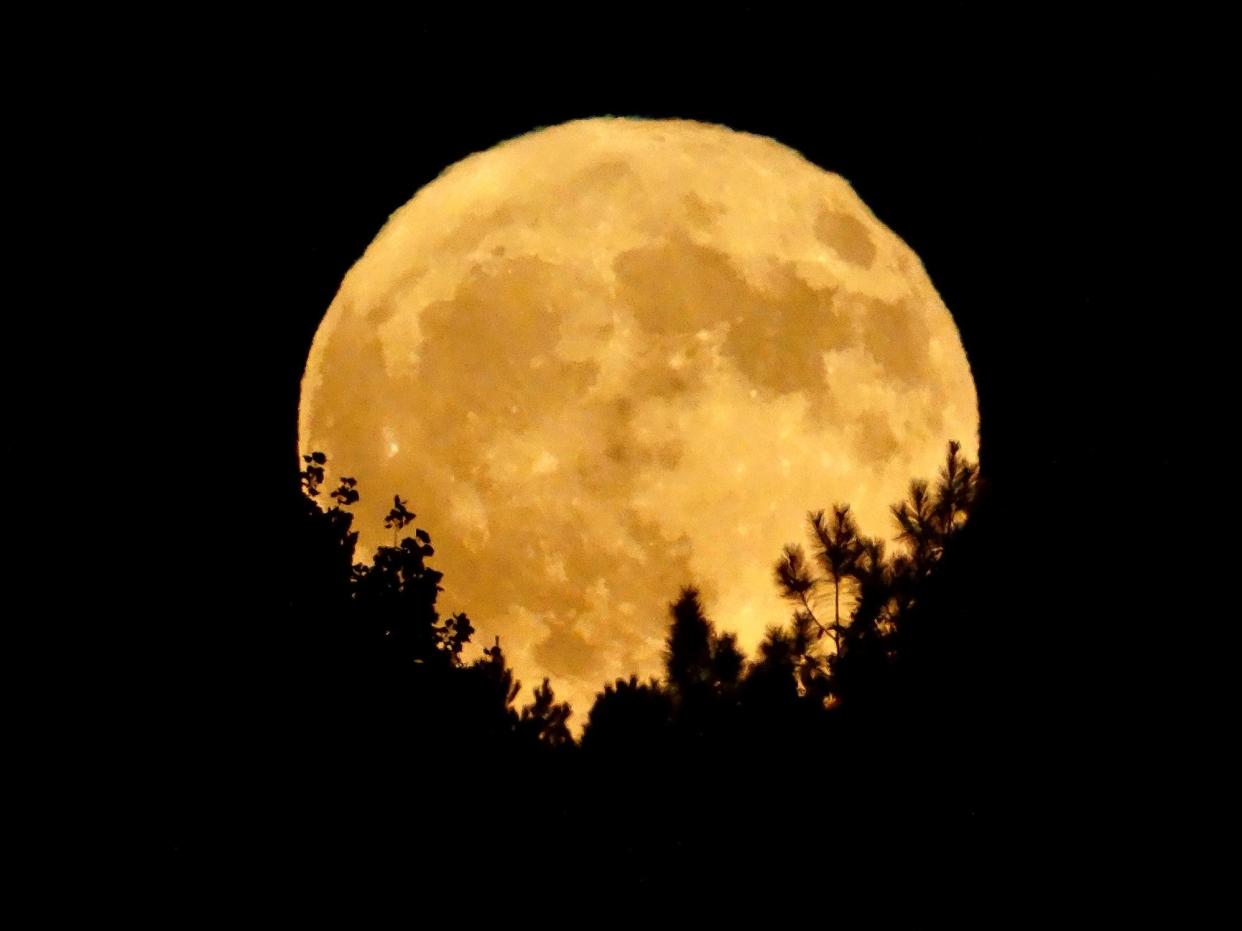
(430, 728)
(545, 720)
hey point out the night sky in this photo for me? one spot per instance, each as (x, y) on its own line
(1021, 174)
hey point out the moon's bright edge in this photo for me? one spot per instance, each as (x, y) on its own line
(614, 357)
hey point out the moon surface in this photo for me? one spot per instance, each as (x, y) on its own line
(614, 357)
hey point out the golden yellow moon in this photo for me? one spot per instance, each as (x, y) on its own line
(613, 357)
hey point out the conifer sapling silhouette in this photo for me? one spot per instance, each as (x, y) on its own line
(838, 552)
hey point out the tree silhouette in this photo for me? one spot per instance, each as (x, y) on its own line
(794, 578)
(346, 493)
(838, 551)
(493, 690)
(322, 549)
(453, 636)
(662, 760)
(629, 717)
(915, 517)
(956, 491)
(772, 681)
(398, 517)
(545, 720)
(796, 583)
(885, 589)
(688, 649)
(728, 662)
(312, 476)
(396, 596)
(702, 665)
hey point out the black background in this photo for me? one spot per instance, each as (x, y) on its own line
(1016, 158)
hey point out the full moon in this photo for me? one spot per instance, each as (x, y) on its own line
(614, 357)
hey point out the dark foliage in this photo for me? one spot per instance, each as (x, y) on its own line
(845, 727)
